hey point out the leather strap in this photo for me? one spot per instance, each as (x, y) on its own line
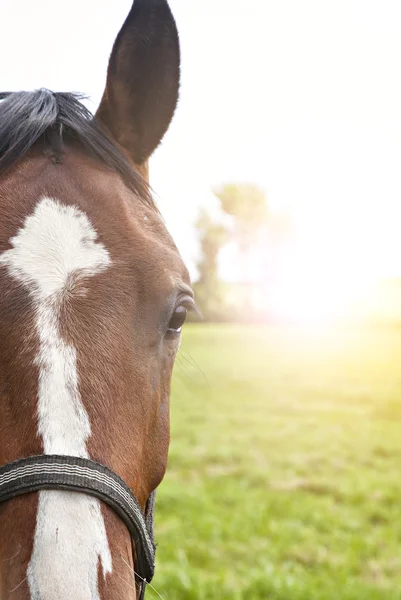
(54, 472)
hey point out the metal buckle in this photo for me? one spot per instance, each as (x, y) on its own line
(142, 589)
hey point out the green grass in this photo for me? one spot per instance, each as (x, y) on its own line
(284, 477)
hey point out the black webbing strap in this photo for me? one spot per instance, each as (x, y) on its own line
(71, 473)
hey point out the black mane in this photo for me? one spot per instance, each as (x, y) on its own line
(26, 117)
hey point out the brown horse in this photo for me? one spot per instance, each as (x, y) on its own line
(93, 298)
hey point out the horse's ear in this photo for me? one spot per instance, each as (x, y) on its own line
(142, 79)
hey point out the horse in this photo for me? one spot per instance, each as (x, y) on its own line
(94, 295)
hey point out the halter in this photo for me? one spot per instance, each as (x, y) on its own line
(53, 472)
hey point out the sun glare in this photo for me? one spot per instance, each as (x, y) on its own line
(332, 267)
(318, 281)
(310, 298)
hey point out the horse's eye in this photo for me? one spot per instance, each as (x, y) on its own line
(177, 320)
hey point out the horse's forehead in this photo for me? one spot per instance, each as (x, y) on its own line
(131, 229)
(85, 224)
(55, 242)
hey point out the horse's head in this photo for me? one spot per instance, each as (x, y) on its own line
(93, 298)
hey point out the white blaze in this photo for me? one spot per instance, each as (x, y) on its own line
(56, 245)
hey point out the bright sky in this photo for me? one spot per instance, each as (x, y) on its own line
(303, 98)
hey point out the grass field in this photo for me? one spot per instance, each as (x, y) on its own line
(284, 478)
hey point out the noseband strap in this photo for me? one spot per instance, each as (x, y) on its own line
(71, 473)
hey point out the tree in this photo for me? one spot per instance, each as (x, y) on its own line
(212, 237)
(260, 236)
(246, 203)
